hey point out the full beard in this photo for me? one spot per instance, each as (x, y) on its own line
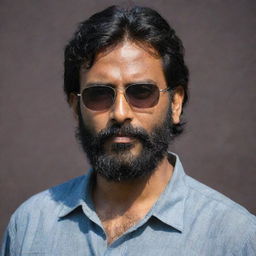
(121, 164)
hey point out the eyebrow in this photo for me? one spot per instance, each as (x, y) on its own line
(93, 84)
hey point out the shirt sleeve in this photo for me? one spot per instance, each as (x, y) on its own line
(250, 245)
(8, 241)
(5, 249)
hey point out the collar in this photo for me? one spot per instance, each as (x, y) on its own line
(76, 194)
(169, 208)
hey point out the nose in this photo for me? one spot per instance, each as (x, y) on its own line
(121, 111)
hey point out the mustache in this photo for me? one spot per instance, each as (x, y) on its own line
(124, 130)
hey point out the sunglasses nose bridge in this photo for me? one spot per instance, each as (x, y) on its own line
(121, 109)
(121, 91)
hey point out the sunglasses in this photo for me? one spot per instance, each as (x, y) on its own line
(102, 97)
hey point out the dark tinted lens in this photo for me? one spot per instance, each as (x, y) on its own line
(98, 97)
(142, 95)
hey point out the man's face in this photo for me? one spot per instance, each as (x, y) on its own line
(125, 134)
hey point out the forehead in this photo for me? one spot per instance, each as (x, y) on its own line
(125, 63)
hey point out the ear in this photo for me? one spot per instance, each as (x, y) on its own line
(73, 102)
(177, 100)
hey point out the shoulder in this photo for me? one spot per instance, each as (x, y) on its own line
(205, 194)
(38, 215)
(220, 216)
(47, 203)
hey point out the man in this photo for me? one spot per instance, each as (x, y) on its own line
(126, 81)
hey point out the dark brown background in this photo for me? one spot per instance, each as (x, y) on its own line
(38, 148)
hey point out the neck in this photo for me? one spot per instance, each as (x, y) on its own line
(128, 194)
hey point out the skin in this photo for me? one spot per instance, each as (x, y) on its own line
(121, 205)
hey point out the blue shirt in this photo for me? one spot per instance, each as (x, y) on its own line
(189, 219)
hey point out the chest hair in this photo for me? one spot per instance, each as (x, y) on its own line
(115, 226)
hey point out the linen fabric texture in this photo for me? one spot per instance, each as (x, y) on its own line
(189, 219)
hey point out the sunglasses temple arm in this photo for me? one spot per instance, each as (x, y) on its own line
(166, 89)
